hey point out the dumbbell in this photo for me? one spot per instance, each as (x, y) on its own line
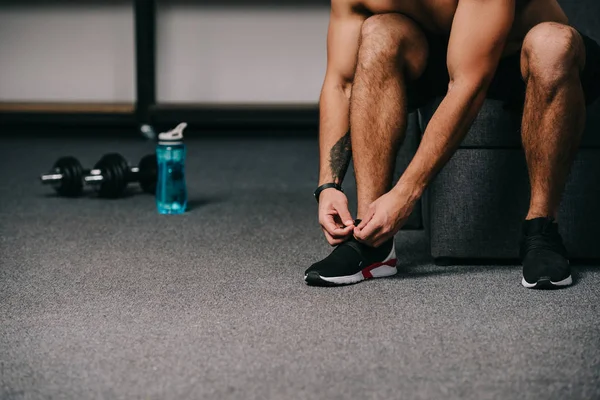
(66, 176)
(111, 175)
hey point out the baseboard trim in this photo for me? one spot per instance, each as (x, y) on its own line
(246, 119)
(219, 120)
(41, 119)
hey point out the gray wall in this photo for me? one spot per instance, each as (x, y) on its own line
(206, 53)
(66, 53)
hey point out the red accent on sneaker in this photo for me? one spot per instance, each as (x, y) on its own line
(367, 271)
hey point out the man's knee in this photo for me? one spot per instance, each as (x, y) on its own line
(551, 53)
(393, 39)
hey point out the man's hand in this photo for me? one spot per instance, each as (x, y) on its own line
(334, 217)
(385, 217)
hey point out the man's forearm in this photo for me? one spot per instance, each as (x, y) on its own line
(472, 61)
(334, 135)
(445, 131)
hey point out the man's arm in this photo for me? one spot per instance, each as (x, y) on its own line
(342, 50)
(477, 39)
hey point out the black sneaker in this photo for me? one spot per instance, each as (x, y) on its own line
(543, 255)
(353, 262)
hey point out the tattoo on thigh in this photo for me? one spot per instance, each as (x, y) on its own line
(340, 156)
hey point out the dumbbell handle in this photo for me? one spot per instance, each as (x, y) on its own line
(95, 175)
(50, 178)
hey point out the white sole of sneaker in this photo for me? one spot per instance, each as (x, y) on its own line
(565, 282)
(379, 270)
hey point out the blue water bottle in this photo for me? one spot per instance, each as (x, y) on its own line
(171, 191)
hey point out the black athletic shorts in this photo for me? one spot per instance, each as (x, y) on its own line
(507, 85)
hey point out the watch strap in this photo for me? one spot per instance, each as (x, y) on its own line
(327, 186)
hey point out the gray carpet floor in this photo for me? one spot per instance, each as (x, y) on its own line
(109, 300)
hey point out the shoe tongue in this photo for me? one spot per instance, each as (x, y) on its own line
(369, 253)
(354, 245)
(538, 226)
(348, 252)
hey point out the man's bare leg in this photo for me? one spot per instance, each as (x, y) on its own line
(552, 58)
(553, 119)
(393, 49)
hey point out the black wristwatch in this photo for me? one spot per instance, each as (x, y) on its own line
(327, 186)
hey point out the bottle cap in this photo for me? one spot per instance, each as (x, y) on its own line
(174, 135)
